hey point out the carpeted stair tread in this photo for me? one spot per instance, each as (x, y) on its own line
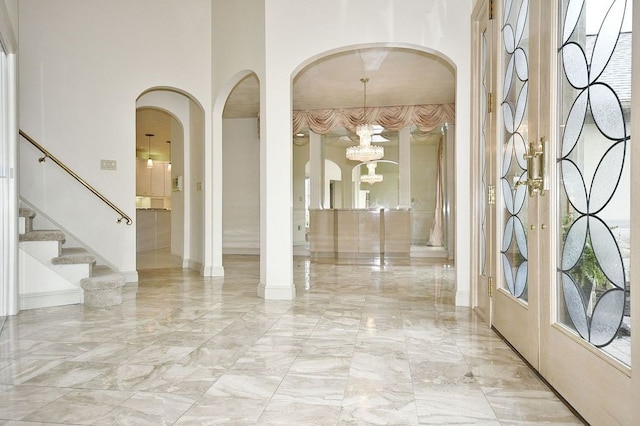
(103, 288)
(25, 212)
(73, 256)
(27, 215)
(43, 235)
(103, 282)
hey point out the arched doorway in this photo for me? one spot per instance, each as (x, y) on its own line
(175, 121)
(409, 99)
(240, 152)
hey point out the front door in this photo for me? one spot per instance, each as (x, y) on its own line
(585, 323)
(564, 202)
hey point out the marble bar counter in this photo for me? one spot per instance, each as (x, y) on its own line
(359, 232)
(153, 228)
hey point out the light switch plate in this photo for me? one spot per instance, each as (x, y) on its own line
(108, 165)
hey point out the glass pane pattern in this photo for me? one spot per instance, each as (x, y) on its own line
(483, 156)
(515, 42)
(593, 169)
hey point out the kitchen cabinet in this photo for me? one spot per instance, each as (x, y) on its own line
(154, 182)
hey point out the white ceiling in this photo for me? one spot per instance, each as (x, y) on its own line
(397, 76)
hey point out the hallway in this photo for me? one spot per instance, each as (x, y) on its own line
(360, 344)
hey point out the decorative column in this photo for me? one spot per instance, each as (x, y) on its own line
(450, 193)
(347, 187)
(316, 171)
(404, 168)
(276, 183)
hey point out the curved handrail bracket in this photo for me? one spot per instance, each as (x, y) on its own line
(47, 154)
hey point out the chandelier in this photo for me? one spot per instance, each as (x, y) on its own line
(371, 177)
(365, 151)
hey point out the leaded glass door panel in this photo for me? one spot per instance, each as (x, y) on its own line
(515, 300)
(585, 324)
(567, 259)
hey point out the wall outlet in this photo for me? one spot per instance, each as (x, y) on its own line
(108, 165)
(199, 186)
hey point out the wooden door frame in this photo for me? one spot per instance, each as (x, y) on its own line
(478, 287)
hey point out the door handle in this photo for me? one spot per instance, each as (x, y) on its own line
(536, 171)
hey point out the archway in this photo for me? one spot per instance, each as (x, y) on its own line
(410, 95)
(172, 115)
(237, 109)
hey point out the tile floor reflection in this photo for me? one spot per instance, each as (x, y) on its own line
(360, 344)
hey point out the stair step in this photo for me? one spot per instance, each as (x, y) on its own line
(26, 216)
(74, 256)
(26, 212)
(43, 235)
(103, 282)
(103, 289)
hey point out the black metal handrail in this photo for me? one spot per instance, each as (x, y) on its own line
(64, 167)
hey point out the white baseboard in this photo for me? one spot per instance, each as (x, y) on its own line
(463, 298)
(130, 276)
(241, 250)
(211, 271)
(51, 298)
(271, 292)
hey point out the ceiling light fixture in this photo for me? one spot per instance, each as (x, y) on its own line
(371, 177)
(365, 151)
(169, 165)
(149, 160)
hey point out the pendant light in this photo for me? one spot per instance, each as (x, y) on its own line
(149, 160)
(169, 165)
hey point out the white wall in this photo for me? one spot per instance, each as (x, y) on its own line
(274, 49)
(331, 172)
(183, 142)
(300, 160)
(241, 186)
(83, 63)
(71, 98)
(237, 50)
(194, 187)
(424, 171)
(9, 21)
(434, 26)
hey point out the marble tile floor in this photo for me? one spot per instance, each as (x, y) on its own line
(361, 344)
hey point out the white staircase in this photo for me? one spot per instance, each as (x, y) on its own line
(53, 275)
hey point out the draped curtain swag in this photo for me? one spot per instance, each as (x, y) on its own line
(425, 117)
(436, 233)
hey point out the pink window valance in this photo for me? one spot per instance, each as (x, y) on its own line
(425, 117)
